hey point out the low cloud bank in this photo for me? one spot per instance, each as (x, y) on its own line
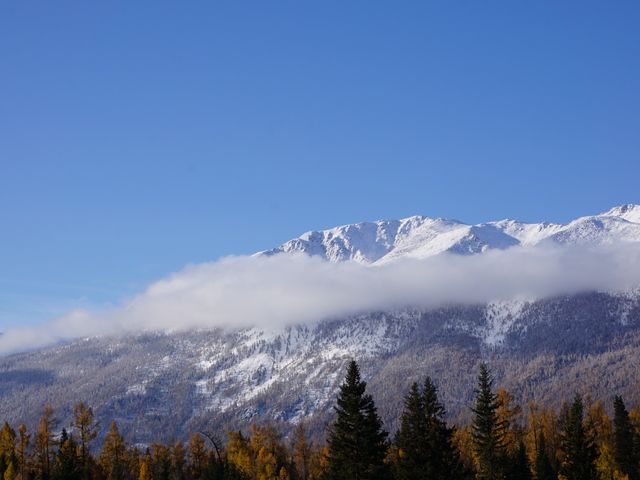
(285, 289)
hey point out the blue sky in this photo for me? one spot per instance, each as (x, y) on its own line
(138, 137)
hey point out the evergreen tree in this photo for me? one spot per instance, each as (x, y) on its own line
(519, 468)
(579, 451)
(487, 430)
(624, 452)
(544, 470)
(66, 465)
(411, 437)
(424, 442)
(357, 442)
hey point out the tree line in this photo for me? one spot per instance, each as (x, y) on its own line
(502, 442)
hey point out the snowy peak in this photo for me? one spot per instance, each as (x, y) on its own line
(629, 212)
(421, 237)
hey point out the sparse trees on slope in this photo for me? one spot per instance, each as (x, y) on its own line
(357, 442)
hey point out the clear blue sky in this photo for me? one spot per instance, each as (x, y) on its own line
(137, 137)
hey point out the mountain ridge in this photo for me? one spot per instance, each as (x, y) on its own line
(418, 236)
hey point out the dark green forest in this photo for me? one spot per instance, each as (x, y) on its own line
(504, 441)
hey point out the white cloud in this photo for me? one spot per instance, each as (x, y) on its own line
(289, 289)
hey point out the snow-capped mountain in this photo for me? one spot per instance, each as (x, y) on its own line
(420, 237)
(163, 386)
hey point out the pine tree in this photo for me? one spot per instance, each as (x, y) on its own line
(624, 454)
(66, 465)
(424, 442)
(411, 439)
(519, 468)
(357, 442)
(544, 470)
(487, 430)
(579, 452)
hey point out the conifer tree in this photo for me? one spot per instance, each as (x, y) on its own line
(519, 468)
(197, 456)
(579, 452)
(424, 442)
(624, 453)
(113, 458)
(7, 448)
(44, 443)
(160, 462)
(66, 465)
(10, 472)
(302, 451)
(487, 430)
(357, 442)
(178, 461)
(145, 469)
(87, 432)
(21, 450)
(544, 470)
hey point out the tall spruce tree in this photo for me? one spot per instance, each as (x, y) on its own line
(488, 432)
(357, 442)
(579, 451)
(544, 469)
(624, 451)
(424, 442)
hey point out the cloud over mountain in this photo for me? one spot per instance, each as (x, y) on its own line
(283, 289)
